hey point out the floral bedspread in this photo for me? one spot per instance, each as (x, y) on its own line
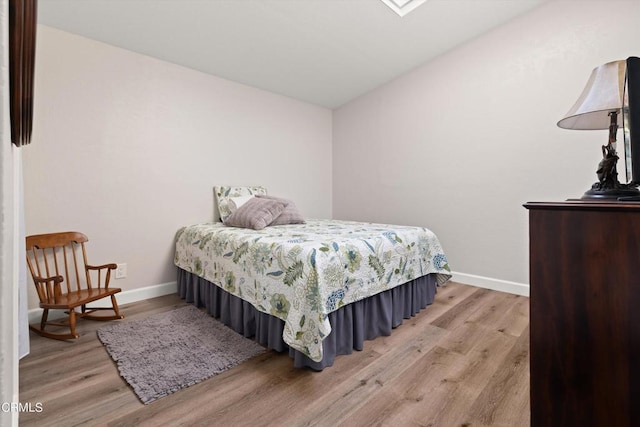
(301, 273)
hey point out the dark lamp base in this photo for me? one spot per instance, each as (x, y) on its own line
(626, 191)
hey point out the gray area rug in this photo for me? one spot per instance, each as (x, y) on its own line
(166, 352)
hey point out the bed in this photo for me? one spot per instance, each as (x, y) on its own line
(316, 289)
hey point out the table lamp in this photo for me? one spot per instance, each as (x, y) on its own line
(601, 106)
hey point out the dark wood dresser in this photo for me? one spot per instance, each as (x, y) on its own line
(585, 313)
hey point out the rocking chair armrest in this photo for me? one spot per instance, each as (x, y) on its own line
(107, 278)
(111, 266)
(56, 279)
(46, 289)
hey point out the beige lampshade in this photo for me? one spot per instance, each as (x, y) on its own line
(604, 93)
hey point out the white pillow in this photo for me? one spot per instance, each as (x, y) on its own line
(224, 193)
(236, 202)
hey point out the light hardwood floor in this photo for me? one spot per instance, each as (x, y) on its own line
(464, 361)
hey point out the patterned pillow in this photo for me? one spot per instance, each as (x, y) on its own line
(290, 215)
(256, 213)
(224, 194)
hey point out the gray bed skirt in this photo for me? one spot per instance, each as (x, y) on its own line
(351, 325)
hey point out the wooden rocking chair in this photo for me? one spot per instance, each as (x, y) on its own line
(55, 269)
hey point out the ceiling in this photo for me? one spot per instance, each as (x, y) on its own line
(325, 52)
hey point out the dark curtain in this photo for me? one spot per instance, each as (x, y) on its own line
(22, 49)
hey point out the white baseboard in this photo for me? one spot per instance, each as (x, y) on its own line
(124, 297)
(135, 295)
(491, 283)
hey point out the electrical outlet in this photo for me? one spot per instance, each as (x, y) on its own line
(121, 271)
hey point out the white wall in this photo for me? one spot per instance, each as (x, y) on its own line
(127, 149)
(9, 237)
(459, 144)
